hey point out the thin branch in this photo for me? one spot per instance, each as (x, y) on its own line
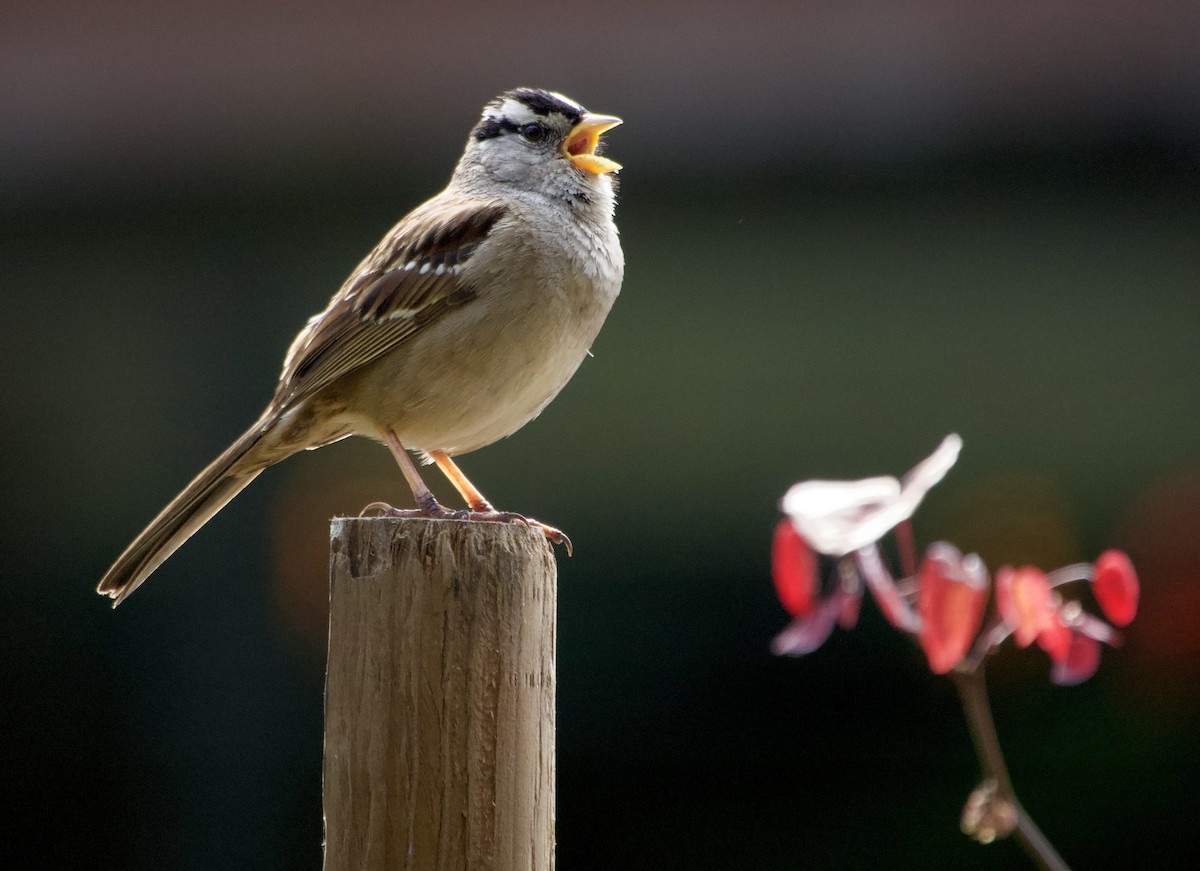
(1036, 844)
(972, 690)
(993, 810)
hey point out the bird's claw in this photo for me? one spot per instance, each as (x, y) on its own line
(386, 510)
(557, 536)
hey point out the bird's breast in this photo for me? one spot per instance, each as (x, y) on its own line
(486, 369)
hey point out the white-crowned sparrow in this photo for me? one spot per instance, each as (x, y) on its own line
(456, 331)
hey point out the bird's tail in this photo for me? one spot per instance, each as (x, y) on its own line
(208, 493)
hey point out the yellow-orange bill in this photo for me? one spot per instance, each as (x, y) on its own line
(580, 147)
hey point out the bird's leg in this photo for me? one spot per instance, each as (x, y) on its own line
(469, 491)
(481, 509)
(427, 504)
(424, 496)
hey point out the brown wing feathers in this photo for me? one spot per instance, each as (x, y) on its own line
(410, 280)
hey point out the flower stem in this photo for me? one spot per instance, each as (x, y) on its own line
(997, 811)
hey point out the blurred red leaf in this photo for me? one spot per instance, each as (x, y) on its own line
(1115, 585)
(794, 568)
(1055, 639)
(1024, 601)
(848, 615)
(951, 594)
(1080, 663)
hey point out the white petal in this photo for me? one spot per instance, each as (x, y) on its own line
(840, 517)
(934, 467)
(826, 497)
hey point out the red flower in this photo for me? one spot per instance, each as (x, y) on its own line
(1073, 639)
(1055, 639)
(1080, 663)
(794, 568)
(1115, 586)
(951, 593)
(1024, 601)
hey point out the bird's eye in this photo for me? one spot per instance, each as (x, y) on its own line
(533, 132)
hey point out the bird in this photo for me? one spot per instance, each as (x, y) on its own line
(457, 329)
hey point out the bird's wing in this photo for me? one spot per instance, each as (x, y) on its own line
(412, 278)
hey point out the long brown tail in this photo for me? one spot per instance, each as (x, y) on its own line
(208, 493)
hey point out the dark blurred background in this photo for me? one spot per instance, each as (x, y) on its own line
(850, 227)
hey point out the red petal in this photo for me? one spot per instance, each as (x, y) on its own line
(1024, 600)
(1055, 639)
(794, 568)
(1115, 585)
(1081, 662)
(951, 593)
(848, 615)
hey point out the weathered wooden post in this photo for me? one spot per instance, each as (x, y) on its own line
(439, 697)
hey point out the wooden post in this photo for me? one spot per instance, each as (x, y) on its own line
(439, 696)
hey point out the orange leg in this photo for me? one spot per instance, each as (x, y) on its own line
(468, 490)
(481, 509)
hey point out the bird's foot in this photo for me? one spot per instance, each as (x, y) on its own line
(437, 511)
(491, 515)
(383, 509)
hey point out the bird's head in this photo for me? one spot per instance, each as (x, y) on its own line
(541, 141)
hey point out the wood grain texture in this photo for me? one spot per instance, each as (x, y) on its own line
(440, 694)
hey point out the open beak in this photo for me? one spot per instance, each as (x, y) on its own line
(580, 147)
